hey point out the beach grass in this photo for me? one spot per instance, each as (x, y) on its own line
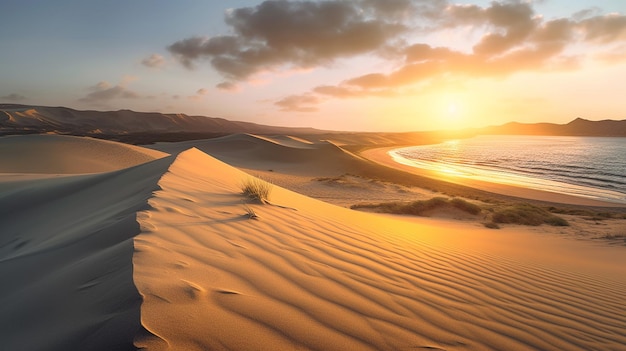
(256, 189)
(527, 214)
(250, 212)
(419, 208)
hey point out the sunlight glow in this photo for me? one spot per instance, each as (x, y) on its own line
(452, 109)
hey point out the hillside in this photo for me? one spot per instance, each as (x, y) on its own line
(577, 127)
(148, 127)
(20, 119)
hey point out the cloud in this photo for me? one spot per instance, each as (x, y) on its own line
(154, 61)
(278, 34)
(299, 103)
(227, 86)
(199, 95)
(503, 38)
(516, 40)
(13, 97)
(103, 92)
(604, 29)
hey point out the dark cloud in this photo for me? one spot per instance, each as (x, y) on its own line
(154, 61)
(301, 34)
(299, 103)
(560, 30)
(13, 97)
(227, 86)
(103, 92)
(512, 37)
(508, 23)
(604, 29)
(391, 8)
(516, 40)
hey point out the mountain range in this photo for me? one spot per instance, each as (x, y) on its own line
(24, 118)
(144, 127)
(577, 127)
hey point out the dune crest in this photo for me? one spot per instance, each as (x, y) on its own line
(309, 275)
(66, 260)
(62, 154)
(164, 255)
(282, 154)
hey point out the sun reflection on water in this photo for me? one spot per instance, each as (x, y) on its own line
(536, 163)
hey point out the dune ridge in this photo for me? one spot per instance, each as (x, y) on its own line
(62, 154)
(162, 255)
(325, 278)
(278, 153)
(66, 260)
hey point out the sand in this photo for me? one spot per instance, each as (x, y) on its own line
(161, 255)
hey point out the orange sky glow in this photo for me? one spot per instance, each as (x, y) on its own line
(361, 65)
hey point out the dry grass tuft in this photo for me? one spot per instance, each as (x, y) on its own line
(418, 208)
(250, 212)
(527, 214)
(257, 189)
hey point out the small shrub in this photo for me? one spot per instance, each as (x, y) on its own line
(527, 214)
(257, 189)
(491, 225)
(465, 206)
(418, 208)
(250, 212)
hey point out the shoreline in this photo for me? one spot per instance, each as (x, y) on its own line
(381, 156)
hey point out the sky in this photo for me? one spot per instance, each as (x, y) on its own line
(351, 65)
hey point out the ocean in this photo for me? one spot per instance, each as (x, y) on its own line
(591, 167)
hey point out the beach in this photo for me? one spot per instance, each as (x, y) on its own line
(155, 248)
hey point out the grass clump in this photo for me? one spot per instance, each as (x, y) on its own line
(465, 206)
(491, 225)
(419, 208)
(250, 212)
(527, 214)
(588, 214)
(257, 189)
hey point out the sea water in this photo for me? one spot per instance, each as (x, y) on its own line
(591, 167)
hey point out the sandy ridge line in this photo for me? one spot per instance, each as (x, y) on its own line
(66, 260)
(328, 278)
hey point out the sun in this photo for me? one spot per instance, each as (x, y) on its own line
(453, 109)
(453, 113)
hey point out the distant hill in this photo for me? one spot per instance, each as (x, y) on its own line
(148, 127)
(577, 127)
(19, 119)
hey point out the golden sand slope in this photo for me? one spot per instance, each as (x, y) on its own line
(281, 154)
(66, 274)
(308, 275)
(79, 252)
(62, 154)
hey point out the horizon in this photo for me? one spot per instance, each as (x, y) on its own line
(464, 130)
(356, 65)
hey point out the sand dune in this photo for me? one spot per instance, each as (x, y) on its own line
(309, 275)
(280, 154)
(66, 260)
(68, 155)
(163, 255)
